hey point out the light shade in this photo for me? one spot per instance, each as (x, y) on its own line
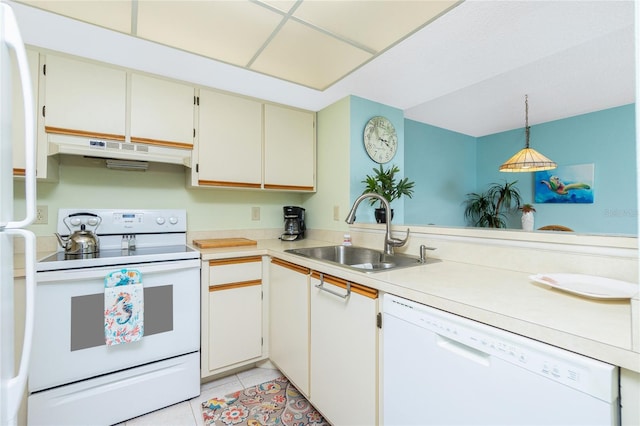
(527, 160)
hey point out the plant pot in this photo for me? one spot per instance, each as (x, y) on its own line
(381, 215)
(527, 221)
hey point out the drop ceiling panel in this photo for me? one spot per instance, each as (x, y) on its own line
(112, 14)
(375, 24)
(283, 5)
(308, 57)
(230, 31)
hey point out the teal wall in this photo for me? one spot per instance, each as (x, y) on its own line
(604, 138)
(443, 165)
(436, 159)
(361, 110)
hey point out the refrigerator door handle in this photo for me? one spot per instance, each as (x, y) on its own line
(17, 384)
(13, 39)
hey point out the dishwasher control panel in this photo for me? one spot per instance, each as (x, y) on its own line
(481, 342)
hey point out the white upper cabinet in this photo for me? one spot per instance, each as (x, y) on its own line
(82, 98)
(229, 141)
(17, 119)
(161, 112)
(289, 148)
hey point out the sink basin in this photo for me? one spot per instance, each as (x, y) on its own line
(358, 258)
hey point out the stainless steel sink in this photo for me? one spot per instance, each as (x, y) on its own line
(359, 258)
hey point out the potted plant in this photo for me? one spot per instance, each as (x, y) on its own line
(488, 209)
(527, 216)
(383, 182)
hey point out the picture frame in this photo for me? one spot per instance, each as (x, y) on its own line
(572, 184)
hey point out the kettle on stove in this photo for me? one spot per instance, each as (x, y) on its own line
(81, 242)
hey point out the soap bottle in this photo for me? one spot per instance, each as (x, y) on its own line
(346, 240)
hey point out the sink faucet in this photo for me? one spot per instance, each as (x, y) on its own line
(389, 241)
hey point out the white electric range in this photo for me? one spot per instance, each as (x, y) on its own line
(75, 377)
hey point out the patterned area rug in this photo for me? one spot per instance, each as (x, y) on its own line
(276, 402)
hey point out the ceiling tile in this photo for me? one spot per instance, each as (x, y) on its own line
(230, 31)
(283, 5)
(112, 14)
(308, 57)
(374, 24)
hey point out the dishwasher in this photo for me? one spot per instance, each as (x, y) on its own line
(443, 369)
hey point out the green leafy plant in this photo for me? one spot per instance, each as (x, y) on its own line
(489, 209)
(383, 182)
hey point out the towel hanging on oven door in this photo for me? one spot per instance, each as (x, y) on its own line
(123, 307)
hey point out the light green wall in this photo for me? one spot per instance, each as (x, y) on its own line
(333, 169)
(86, 183)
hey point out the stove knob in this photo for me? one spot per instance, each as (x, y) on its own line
(160, 220)
(75, 221)
(173, 220)
(92, 221)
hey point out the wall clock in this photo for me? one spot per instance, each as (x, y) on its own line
(380, 139)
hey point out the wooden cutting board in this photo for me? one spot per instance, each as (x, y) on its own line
(223, 242)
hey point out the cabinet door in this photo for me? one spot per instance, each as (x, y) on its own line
(289, 149)
(229, 141)
(161, 112)
(82, 98)
(17, 110)
(344, 352)
(233, 313)
(289, 321)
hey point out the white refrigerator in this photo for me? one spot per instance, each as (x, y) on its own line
(13, 372)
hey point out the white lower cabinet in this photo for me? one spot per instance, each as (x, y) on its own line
(344, 351)
(231, 313)
(289, 321)
(629, 397)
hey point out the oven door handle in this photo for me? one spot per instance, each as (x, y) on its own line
(102, 271)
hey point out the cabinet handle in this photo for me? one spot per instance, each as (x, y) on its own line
(335, 293)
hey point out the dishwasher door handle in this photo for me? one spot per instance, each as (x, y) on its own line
(463, 350)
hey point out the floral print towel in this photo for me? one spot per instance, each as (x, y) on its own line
(123, 307)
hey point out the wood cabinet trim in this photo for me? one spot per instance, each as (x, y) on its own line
(231, 286)
(19, 172)
(235, 260)
(292, 266)
(83, 133)
(342, 283)
(288, 187)
(229, 184)
(158, 142)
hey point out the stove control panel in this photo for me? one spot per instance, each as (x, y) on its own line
(126, 221)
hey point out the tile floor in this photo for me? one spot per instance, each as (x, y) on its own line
(188, 413)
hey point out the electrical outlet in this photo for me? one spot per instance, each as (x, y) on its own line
(336, 212)
(42, 215)
(255, 213)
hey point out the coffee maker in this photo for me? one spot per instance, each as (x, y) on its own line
(293, 223)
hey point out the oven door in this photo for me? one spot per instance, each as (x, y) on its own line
(69, 336)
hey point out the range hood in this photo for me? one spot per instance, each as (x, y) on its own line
(105, 148)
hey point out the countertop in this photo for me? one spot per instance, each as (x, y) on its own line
(498, 297)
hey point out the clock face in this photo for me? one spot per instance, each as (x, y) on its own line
(380, 139)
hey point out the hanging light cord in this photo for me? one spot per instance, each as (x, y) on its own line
(526, 120)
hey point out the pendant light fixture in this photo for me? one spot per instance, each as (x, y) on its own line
(527, 159)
